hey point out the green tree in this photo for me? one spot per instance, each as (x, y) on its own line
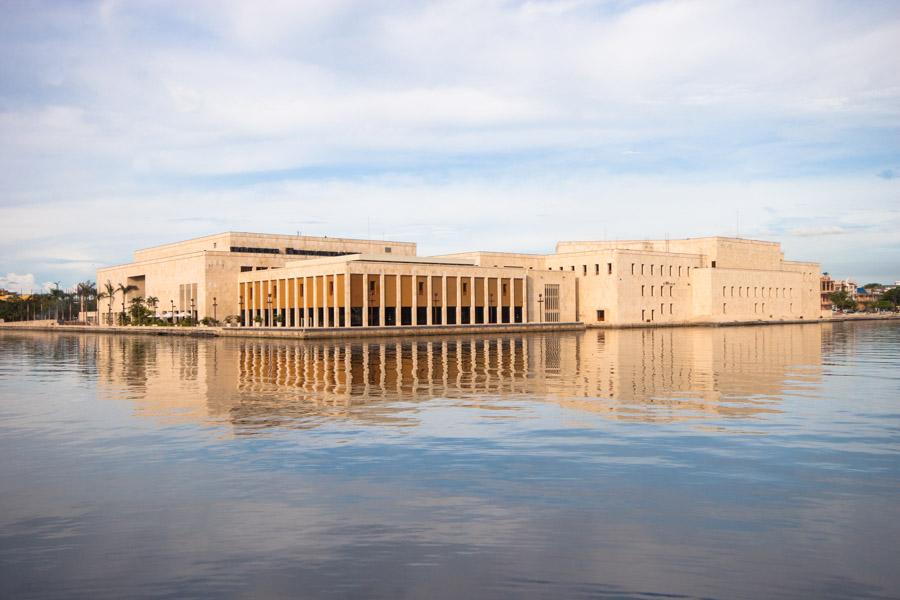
(842, 300)
(125, 290)
(892, 296)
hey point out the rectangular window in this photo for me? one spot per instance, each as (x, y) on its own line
(601, 315)
(713, 264)
(642, 290)
(632, 268)
(643, 315)
(670, 307)
(573, 267)
(609, 268)
(584, 269)
(651, 290)
(387, 249)
(245, 269)
(651, 269)
(551, 302)
(679, 270)
(596, 269)
(642, 268)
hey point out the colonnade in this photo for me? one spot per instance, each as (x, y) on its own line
(382, 299)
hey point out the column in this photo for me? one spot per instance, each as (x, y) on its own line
(459, 300)
(347, 279)
(325, 322)
(381, 298)
(398, 309)
(443, 299)
(487, 300)
(296, 302)
(415, 298)
(511, 288)
(471, 300)
(525, 299)
(365, 302)
(305, 288)
(428, 302)
(315, 306)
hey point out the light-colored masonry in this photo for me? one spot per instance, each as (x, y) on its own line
(302, 282)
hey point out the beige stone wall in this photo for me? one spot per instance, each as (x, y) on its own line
(222, 242)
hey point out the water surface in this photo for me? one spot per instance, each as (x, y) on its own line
(748, 462)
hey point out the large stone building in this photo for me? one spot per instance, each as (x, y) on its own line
(292, 281)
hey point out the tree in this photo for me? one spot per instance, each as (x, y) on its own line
(842, 300)
(892, 296)
(873, 286)
(125, 290)
(109, 292)
(86, 290)
(152, 302)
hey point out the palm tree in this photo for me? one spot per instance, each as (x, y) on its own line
(125, 289)
(57, 294)
(152, 302)
(109, 292)
(85, 290)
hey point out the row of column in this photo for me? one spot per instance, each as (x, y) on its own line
(289, 303)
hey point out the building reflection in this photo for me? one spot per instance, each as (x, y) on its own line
(649, 375)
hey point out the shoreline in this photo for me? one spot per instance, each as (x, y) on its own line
(402, 331)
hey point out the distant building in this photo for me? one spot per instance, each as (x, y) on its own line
(827, 289)
(293, 281)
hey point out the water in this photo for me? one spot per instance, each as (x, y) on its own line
(757, 462)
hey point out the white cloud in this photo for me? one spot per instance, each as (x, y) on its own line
(14, 282)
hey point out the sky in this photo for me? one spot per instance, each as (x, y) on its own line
(463, 125)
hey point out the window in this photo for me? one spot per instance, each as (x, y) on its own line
(679, 270)
(560, 268)
(609, 268)
(671, 306)
(643, 315)
(723, 308)
(632, 268)
(642, 290)
(573, 267)
(584, 269)
(688, 271)
(372, 286)
(651, 290)
(465, 287)
(732, 291)
(421, 287)
(723, 291)
(551, 302)
(387, 249)
(662, 309)
(642, 268)
(651, 269)
(245, 269)
(713, 264)
(601, 315)
(596, 269)
(670, 270)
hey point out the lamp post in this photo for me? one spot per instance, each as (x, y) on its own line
(540, 308)
(269, 312)
(214, 309)
(193, 316)
(173, 311)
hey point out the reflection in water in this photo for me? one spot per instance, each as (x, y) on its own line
(757, 462)
(660, 375)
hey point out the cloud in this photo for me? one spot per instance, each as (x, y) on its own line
(818, 231)
(451, 123)
(14, 282)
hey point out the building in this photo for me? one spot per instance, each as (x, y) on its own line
(199, 277)
(302, 282)
(826, 288)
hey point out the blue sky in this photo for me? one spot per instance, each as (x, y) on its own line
(459, 125)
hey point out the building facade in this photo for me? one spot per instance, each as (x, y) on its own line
(301, 282)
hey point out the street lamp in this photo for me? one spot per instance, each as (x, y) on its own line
(193, 316)
(214, 308)
(269, 313)
(173, 311)
(241, 304)
(540, 308)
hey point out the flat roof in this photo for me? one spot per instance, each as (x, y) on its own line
(275, 236)
(384, 258)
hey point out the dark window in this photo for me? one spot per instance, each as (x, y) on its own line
(245, 269)
(299, 252)
(387, 249)
(250, 250)
(713, 264)
(584, 269)
(609, 268)
(596, 269)
(601, 315)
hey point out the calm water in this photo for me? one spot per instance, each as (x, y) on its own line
(711, 463)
